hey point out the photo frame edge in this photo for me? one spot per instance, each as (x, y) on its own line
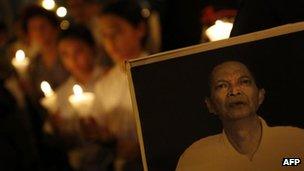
(136, 115)
(250, 37)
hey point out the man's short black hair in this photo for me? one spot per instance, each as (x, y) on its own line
(246, 63)
(129, 10)
(33, 11)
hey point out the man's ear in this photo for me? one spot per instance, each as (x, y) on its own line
(261, 96)
(209, 105)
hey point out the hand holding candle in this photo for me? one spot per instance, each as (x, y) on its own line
(81, 101)
(50, 99)
(20, 62)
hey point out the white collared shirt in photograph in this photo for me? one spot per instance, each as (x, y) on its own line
(217, 154)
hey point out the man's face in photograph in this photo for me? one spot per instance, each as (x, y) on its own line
(234, 93)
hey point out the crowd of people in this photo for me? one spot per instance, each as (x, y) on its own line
(90, 53)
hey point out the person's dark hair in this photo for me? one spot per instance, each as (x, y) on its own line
(129, 10)
(247, 64)
(3, 27)
(78, 32)
(33, 11)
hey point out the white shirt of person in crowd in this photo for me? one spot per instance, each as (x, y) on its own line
(113, 107)
(113, 103)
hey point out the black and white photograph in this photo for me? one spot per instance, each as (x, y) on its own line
(151, 85)
(233, 104)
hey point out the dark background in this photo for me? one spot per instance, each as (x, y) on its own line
(170, 94)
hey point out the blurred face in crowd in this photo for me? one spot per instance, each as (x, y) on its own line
(77, 56)
(121, 40)
(234, 94)
(41, 31)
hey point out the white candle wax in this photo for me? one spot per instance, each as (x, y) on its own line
(50, 100)
(81, 101)
(220, 30)
(20, 62)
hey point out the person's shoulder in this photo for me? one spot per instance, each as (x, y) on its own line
(287, 139)
(107, 74)
(112, 78)
(287, 130)
(115, 70)
(286, 135)
(206, 142)
(199, 151)
(203, 145)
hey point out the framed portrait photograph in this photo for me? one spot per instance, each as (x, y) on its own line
(188, 102)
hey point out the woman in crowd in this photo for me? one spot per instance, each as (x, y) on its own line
(41, 28)
(123, 31)
(86, 151)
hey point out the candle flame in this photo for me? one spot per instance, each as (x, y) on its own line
(48, 4)
(46, 88)
(77, 90)
(20, 55)
(61, 12)
(220, 30)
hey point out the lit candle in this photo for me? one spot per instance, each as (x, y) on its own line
(61, 12)
(50, 99)
(220, 30)
(81, 101)
(48, 4)
(46, 89)
(20, 62)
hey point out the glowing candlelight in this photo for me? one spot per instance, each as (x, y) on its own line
(46, 89)
(50, 99)
(20, 55)
(61, 12)
(81, 101)
(48, 4)
(220, 30)
(20, 62)
(77, 90)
